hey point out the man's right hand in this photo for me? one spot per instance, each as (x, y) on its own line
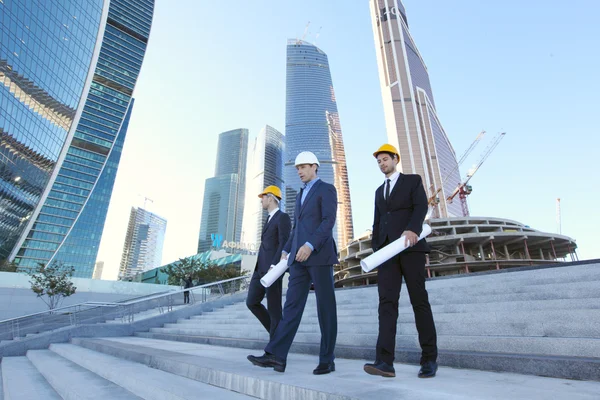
(284, 256)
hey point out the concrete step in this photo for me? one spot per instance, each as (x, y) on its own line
(21, 380)
(543, 275)
(228, 368)
(405, 307)
(574, 347)
(371, 298)
(147, 380)
(491, 288)
(463, 298)
(73, 382)
(480, 317)
(146, 314)
(588, 329)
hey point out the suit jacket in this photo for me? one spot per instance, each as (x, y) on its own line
(406, 210)
(313, 223)
(275, 235)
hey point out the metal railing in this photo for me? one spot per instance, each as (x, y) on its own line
(99, 312)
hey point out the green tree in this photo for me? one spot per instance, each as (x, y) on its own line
(6, 266)
(52, 283)
(201, 272)
(178, 270)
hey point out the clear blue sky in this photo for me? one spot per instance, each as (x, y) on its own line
(527, 68)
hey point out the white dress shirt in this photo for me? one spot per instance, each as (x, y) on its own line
(393, 179)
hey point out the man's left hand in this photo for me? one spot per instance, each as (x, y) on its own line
(303, 253)
(411, 238)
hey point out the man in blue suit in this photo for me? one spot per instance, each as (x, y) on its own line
(275, 234)
(311, 253)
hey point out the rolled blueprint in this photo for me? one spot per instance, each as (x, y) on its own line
(389, 251)
(274, 273)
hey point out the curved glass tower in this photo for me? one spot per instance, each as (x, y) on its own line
(265, 168)
(68, 70)
(312, 124)
(224, 194)
(411, 119)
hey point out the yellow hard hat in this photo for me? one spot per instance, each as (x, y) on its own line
(386, 148)
(274, 190)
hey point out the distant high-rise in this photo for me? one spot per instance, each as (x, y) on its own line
(67, 81)
(312, 124)
(143, 243)
(411, 118)
(98, 269)
(224, 195)
(265, 168)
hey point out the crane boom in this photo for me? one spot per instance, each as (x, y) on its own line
(433, 200)
(465, 189)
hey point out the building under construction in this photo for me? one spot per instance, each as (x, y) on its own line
(469, 244)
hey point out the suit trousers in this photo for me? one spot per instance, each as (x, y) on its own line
(411, 266)
(301, 277)
(269, 317)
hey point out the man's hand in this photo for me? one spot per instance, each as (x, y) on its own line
(411, 238)
(303, 253)
(284, 256)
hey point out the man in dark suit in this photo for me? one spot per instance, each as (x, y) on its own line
(311, 253)
(275, 234)
(400, 208)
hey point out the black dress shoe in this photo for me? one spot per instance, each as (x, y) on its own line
(428, 369)
(268, 361)
(324, 368)
(380, 368)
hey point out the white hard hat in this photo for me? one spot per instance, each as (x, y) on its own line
(306, 157)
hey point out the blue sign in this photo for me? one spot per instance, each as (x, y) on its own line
(216, 240)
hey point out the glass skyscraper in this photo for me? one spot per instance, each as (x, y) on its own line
(144, 241)
(265, 168)
(224, 195)
(312, 124)
(411, 118)
(68, 70)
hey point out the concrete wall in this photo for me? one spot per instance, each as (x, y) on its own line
(17, 299)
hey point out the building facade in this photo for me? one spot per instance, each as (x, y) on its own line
(312, 124)
(412, 124)
(224, 194)
(62, 132)
(265, 168)
(143, 243)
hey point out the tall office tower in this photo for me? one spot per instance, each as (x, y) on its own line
(224, 195)
(312, 124)
(98, 269)
(410, 114)
(143, 243)
(265, 168)
(67, 84)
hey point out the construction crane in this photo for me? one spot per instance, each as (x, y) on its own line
(434, 200)
(464, 189)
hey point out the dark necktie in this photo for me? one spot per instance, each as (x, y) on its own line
(266, 222)
(387, 190)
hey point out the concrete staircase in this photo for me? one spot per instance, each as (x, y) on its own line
(543, 322)
(537, 322)
(139, 368)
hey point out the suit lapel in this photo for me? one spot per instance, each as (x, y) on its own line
(310, 194)
(270, 220)
(379, 199)
(397, 185)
